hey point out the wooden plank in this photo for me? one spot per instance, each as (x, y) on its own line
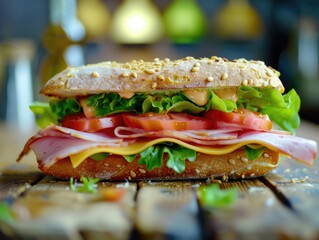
(256, 214)
(51, 209)
(167, 209)
(300, 186)
(15, 180)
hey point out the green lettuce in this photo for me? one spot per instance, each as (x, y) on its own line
(61, 108)
(212, 196)
(152, 157)
(281, 109)
(43, 114)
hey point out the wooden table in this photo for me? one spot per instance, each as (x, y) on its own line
(281, 205)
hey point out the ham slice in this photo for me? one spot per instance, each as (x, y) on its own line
(202, 137)
(55, 142)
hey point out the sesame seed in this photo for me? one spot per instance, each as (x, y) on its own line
(214, 58)
(95, 74)
(169, 80)
(252, 175)
(160, 77)
(231, 161)
(245, 82)
(129, 178)
(224, 76)
(167, 60)
(213, 180)
(244, 159)
(268, 73)
(231, 172)
(124, 75)
(141, 170)
(197, 171)
(265, 155)
(133, 174)
(248, 167)
(154, 85)
(118, 165)
(210, 79)
(196, 64)
(225, 178)
(265, 84)
(243, 176)
(250, 81)
(134, 74)
(156, 59)
(149, 71)
(195, 69)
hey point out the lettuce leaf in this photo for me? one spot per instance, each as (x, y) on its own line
(106, 104)
(61, 108)
(152, 157)
(177, 155)
(43, 114)
(215, 102)
(253, 153)
(281, 109)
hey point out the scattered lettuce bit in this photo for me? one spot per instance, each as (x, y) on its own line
(253, 153)
(6, 214)
(99, 156)
(61, 108)
(281, 109)
(213, 197)
(88, 185)
(152, 157)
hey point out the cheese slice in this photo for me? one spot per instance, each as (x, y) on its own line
(140, 146)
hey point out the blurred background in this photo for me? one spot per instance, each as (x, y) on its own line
(39, 38)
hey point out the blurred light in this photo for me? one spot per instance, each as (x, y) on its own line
(136, 22)
(237, 20)
(308, 49)
(95, 17)
(20, 85)
(184, 21)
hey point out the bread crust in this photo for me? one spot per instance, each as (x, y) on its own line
(160, 75)
(232, 165)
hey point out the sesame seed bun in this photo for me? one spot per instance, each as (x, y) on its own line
(161, 75)
(233, 165)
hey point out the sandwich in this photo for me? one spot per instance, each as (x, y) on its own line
(183, 119)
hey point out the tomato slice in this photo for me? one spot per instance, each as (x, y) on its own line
(241, 117)
(78, 121)
(169, 121)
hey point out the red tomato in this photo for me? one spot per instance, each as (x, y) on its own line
(242, 117)
(169, 121)
(78, 121)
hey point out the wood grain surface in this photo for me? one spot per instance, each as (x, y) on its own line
(281, 205)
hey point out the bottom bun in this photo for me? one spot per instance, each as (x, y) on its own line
(115, 167)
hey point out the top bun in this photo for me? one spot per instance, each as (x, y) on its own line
(161, 75)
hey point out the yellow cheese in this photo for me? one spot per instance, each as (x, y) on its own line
(137, 147)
